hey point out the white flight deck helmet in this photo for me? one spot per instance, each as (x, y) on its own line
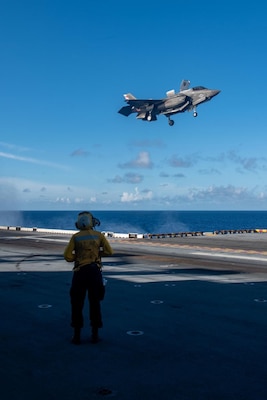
(84, 221)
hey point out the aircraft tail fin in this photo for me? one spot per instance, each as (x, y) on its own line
(129, 96)
(184, 85)
(126, 111)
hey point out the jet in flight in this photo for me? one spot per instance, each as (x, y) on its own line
(187, 99)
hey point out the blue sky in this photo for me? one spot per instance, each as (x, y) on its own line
(65, 66)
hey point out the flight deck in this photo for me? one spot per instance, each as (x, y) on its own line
(185, 318)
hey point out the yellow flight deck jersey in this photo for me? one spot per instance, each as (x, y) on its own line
(86, 247)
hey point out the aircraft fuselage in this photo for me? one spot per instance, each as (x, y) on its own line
(186, 100)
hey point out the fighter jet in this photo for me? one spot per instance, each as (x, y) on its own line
(187, 99)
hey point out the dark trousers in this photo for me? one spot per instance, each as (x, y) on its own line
(87, 280)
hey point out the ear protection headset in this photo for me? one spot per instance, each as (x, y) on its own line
(86, 221)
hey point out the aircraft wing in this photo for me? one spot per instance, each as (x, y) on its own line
(134, 102)
(138, 103)
(140, 106)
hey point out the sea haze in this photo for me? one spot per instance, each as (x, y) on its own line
(141, 221)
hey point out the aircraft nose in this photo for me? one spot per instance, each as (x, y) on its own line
(215, 92)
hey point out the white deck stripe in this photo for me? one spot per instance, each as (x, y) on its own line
(224, 255)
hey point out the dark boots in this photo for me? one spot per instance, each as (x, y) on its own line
(76, 338)
(94, 337)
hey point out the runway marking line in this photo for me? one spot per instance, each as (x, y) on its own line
(184, 246)
(240, 257)
(151, 244)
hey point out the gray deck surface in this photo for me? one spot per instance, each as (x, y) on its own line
(184, 319)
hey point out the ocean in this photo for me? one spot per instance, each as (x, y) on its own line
(142, 222)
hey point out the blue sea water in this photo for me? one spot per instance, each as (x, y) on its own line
(141, 221)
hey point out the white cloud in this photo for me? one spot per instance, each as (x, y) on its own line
(186, 162)
(31, 160)
(148, 143)
(136, 196)
(12, 146)
(141, 161)
(79, 200)
(63, 200)
(80, 153)
(128, 178)
(209, 171)
(248, 163)
(228, 196)
(40, 195)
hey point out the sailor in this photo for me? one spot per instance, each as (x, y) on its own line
(85, 249)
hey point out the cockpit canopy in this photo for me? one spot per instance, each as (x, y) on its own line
(198, 88)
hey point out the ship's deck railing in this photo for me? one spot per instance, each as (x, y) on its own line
(137, 235)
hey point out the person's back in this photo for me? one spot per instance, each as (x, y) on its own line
(87, 246)
(85, 249)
